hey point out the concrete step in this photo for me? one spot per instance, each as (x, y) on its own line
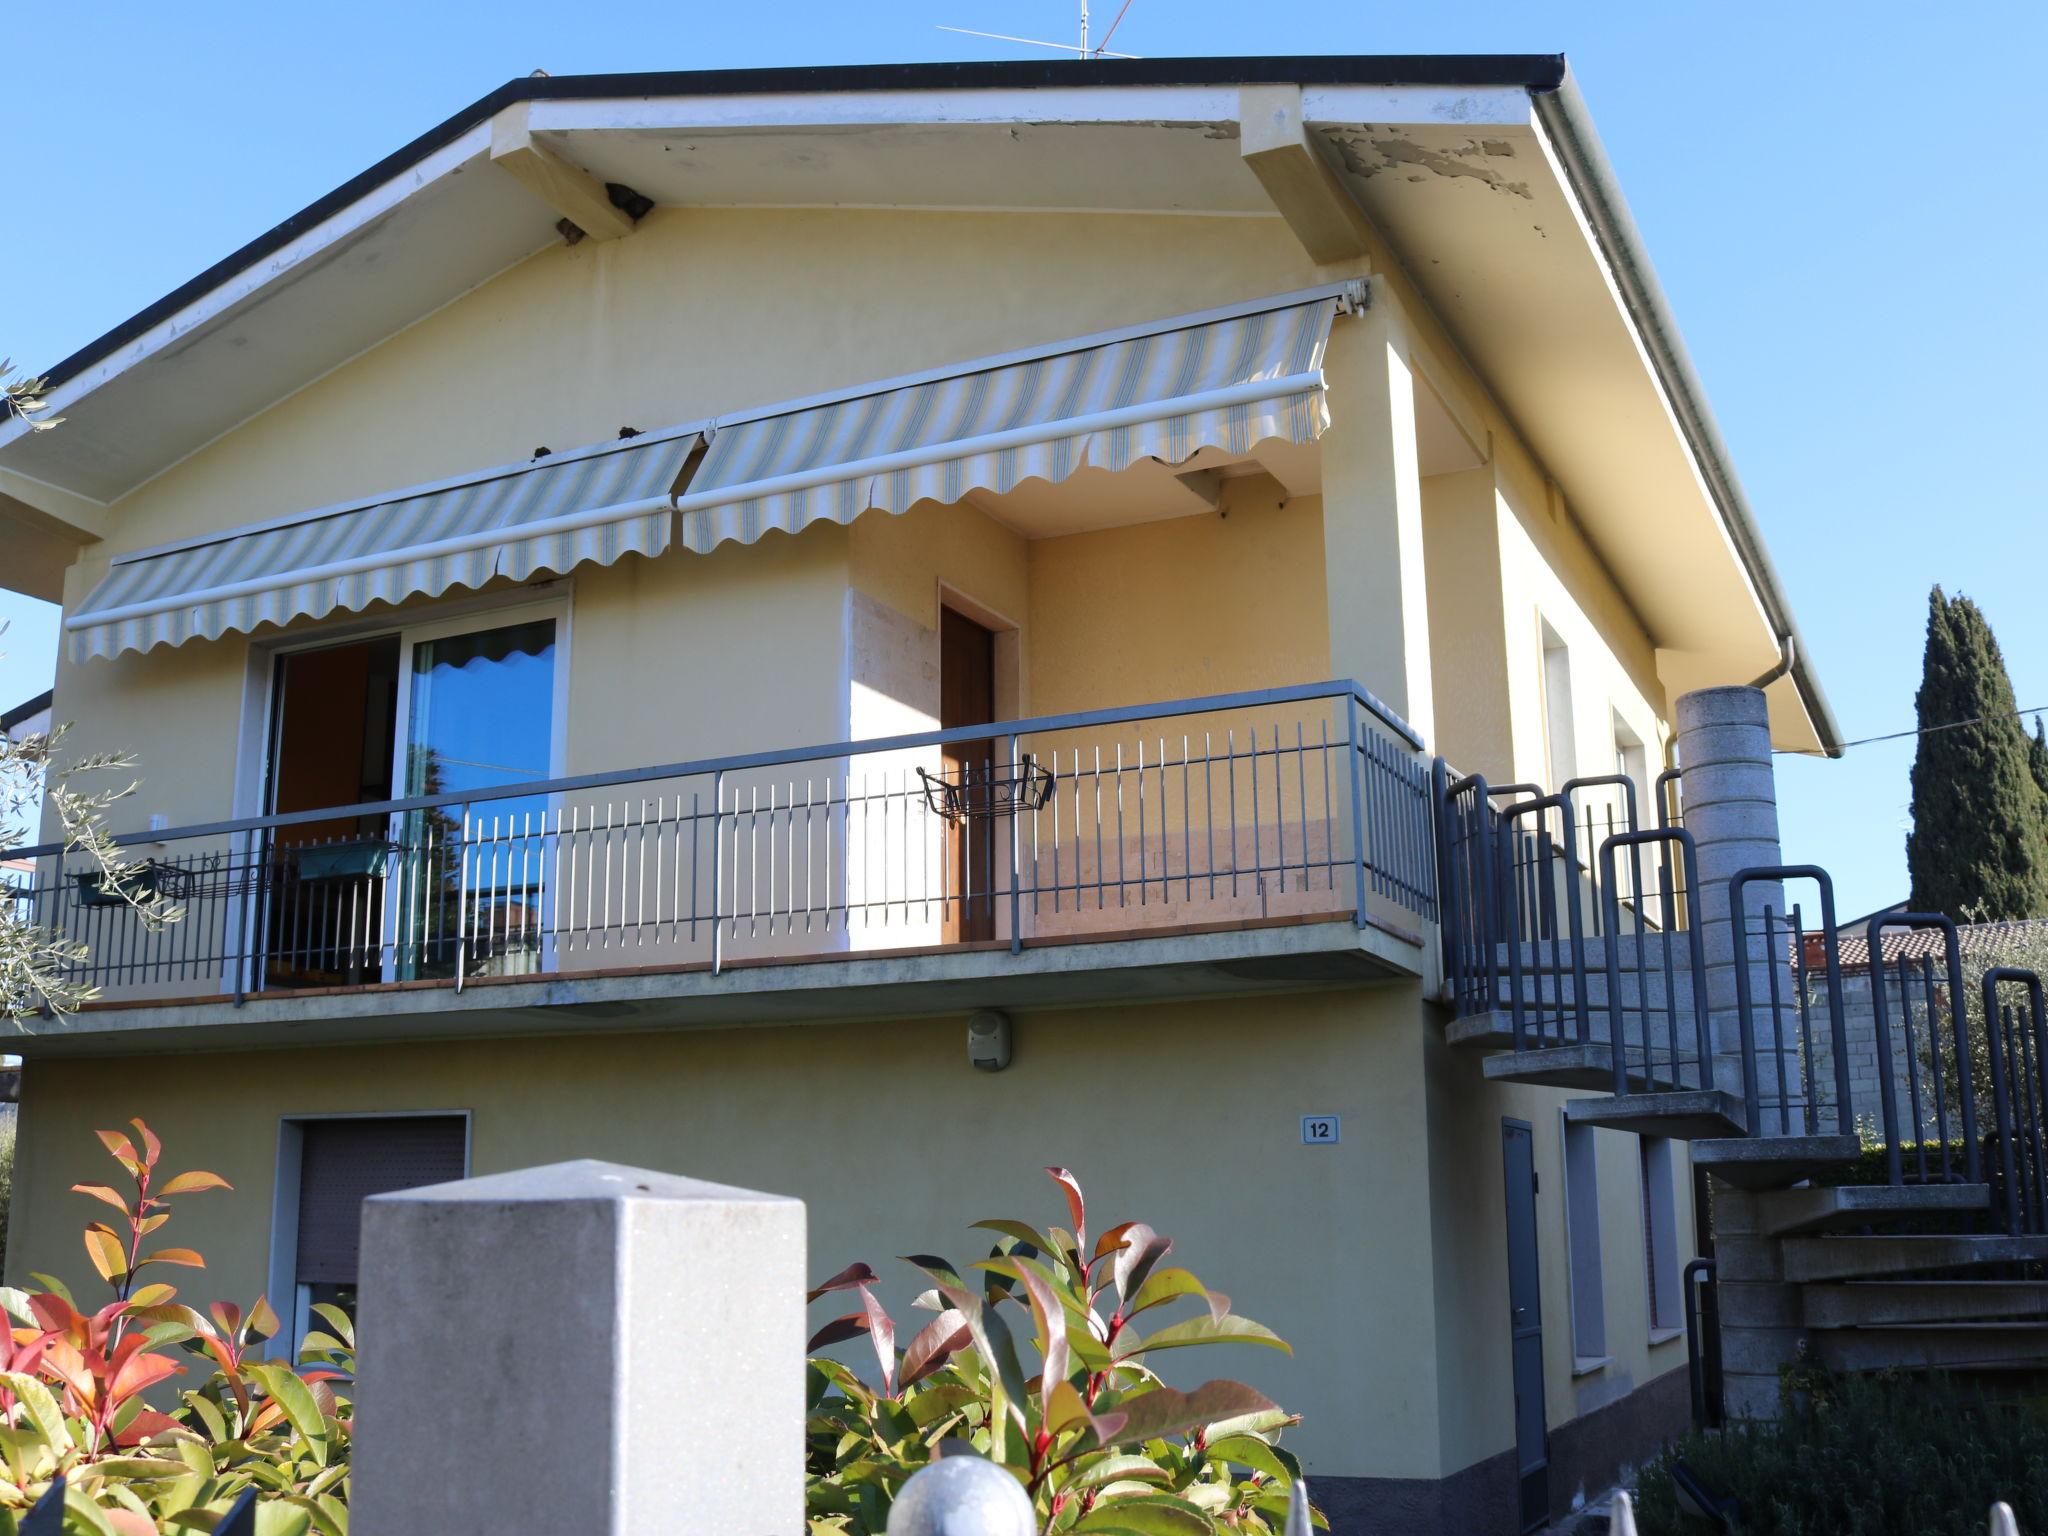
(1686, 1115)
(1822, 1209)
(1851, 1258)
(1772, 1162)
(1575, 1066)
(1875, 1303)
(2011, 1346)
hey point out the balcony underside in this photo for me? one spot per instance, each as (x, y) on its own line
(1245, 958)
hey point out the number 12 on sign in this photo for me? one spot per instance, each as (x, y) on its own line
(1321, 1130)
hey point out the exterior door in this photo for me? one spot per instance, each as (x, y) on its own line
(1525, 1323)
(967, 696)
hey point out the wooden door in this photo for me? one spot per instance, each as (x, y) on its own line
(967, 696)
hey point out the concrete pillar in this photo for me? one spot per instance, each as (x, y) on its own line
(1760, 1321)
(1731, 810)
(581, 1347)
(1372, 514)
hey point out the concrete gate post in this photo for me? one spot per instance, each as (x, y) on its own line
(581, 1347)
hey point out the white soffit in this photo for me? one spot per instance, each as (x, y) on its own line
(1487, 228)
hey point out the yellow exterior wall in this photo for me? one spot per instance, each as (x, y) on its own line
(1175, 1115)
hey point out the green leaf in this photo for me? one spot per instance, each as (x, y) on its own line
(1162, 1286)
(1110, 1468)
(41, 1409)
(1203, 1330)
(1147, 1514)
(337, 1321)
(293, 1396)
(1250, 1451)
(81, 1513)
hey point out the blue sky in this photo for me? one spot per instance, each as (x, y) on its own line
(1838, 198)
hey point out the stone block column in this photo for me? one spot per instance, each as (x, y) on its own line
(581, 1347)
(1760, 1322)
(1731, 810)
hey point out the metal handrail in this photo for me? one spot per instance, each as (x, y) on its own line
(736, 762)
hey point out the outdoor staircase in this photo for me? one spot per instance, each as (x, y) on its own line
(1815, 1259)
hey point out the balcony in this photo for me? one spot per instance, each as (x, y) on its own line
(1239, 843)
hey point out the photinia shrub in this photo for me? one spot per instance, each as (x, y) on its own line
(75, 1388)
(1097, 1439)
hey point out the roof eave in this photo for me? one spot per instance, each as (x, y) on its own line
(1563, 113)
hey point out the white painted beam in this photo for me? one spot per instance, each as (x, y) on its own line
(575, 194)
(1298, 180)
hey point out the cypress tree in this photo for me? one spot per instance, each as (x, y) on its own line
(1978, 850)
(2037, 758)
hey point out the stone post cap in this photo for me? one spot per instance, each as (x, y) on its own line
(583, 1180)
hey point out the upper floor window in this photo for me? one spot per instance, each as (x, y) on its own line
(1558, 716)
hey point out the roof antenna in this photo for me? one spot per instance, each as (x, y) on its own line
(1099, 50)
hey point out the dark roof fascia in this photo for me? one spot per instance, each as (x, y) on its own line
(25, 709)
(1533, 72)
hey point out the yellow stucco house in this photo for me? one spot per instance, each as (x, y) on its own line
(859, 632)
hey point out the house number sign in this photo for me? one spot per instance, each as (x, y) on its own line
(1321, 1130)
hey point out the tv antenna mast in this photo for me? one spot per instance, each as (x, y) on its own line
(1086, 50)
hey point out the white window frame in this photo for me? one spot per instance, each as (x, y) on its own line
(1560, 716)
(291, 1301)
(1586, 1286)
(547, 599)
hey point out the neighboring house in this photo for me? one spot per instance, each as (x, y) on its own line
(31, 717)
(1913, 975)
(670, 488)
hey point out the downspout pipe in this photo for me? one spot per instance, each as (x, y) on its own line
(1562, 112)
(1788, 652)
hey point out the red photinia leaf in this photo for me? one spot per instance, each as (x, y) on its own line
(1164, 1411)
(149, 1224)
(139, 1372)
(882, 1331)
(63, 1359)
(838, 1331)
(152, 1295)
(122, 1148)
(1112, 1240)
(853, 1275)
(1143, 1249)
(103, 1192)
(152, 1149)
(184, 1256)
(1077, 1205)
(192, 1183)
(229, 1316)
(935, 1343)
(263, 1322)
(143, 1426)
(56, 1314)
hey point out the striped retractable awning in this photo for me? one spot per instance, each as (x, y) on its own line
(591, 506)
(1165, 392)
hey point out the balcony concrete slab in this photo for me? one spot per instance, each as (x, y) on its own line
(1245, 958)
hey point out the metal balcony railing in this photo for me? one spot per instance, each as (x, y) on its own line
(1277, 805)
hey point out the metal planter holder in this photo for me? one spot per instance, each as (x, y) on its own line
(989, 797)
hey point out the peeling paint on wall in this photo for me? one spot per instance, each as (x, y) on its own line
(1366, 156)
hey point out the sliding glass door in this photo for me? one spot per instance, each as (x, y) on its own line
(480, 707)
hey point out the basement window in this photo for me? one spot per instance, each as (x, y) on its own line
(1582, 1246)
(327, 1168)
(1660, 1239)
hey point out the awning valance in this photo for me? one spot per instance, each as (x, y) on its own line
(1229, 381)
(592, 506)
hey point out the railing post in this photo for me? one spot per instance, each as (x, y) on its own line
(667, 1384)
(1352, 745)
(252, 899)
(461, 896)
(1017, 850)
(717, 868)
